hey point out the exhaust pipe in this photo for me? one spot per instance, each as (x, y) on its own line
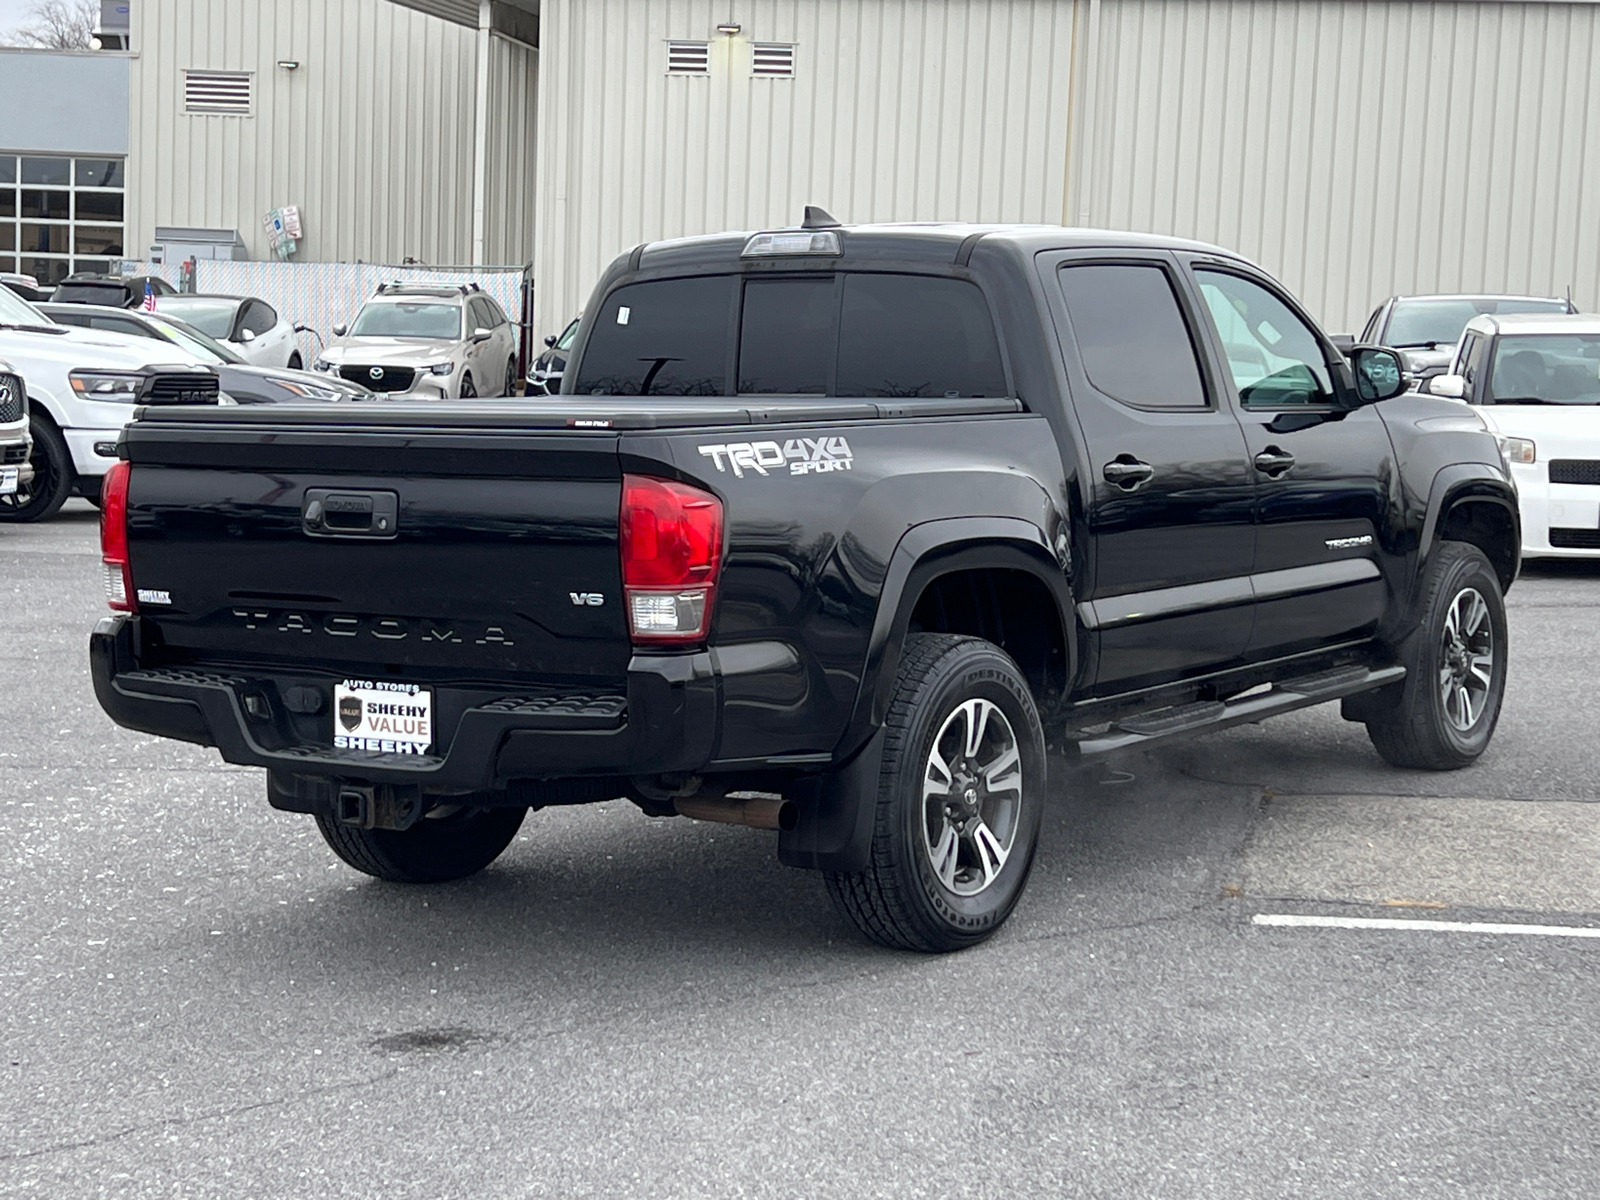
(757, 812)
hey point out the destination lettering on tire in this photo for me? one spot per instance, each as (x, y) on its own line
(390, 718)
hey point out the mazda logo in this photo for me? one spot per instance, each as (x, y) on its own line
(376, 372)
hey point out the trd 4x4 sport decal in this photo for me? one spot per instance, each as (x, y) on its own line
(803, 456)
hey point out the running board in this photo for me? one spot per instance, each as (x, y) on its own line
(1186, 720)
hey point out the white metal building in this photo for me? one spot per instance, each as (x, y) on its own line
(1356, 148)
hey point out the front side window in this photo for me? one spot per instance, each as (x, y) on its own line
(668, 337)
(1132, 339)
(259, 319)
(917, 336)
(1274, 357)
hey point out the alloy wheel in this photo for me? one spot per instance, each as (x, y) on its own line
(1466, 659)
(972, 797)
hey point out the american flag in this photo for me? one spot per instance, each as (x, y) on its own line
(149, 297)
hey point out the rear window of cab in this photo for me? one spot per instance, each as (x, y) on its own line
(853, 334)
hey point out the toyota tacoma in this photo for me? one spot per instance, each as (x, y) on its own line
(835, 531)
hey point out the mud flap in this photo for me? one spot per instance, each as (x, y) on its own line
(836, 811)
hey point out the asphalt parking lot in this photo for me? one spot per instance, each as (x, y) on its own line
(199, 1000)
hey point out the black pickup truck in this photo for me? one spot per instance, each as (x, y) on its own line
(833, 530)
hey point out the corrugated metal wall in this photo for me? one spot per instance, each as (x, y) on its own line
(511, 196)
(371, 135)
(1356, 150)
(902, 110)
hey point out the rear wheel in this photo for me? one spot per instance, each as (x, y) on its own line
(958, 803)
(450, 842)
(511, 378)
(1442, 717)
(468, 390)
(44, 495)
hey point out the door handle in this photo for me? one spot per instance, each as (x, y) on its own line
(1274, 461)
(1127, 472)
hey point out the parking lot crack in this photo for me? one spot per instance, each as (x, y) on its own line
(216, 1114)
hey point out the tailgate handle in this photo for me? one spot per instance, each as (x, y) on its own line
(342, 512)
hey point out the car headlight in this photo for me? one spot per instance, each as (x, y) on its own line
(1515, 449)
(441, 368)
(107, 385)
(325, 365)
(311, 391)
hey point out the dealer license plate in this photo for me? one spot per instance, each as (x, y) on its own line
(8, 480)
(391, 718)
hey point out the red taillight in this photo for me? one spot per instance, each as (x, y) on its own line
(114, 539)
(671, 553)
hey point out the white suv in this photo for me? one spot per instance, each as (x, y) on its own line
(440, 342)
(83, 385)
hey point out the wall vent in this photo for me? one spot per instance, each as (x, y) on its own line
(217, 92)
(772, 59)
(688, 58)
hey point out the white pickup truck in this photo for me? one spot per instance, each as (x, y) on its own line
(15, 444)
(82, 387)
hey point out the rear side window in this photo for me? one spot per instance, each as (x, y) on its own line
(786, 335)
(916, 335)
(1132, 339)
(664, 338)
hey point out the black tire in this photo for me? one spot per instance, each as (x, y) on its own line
(469, 390)
(511, 378)
(436, 849)
(52, 477)
(296, 363)
(901, 900)
(1416, 724)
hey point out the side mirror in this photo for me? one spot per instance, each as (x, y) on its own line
(340, 329)
(480, 334)
(246, 335)
(1344, 343)
(1379, 373)
(1453, 386)
(550, 340)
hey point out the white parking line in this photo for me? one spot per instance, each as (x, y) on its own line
(1300, 922)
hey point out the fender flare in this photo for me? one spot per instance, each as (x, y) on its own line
(1459, 483)
(833, 831)
(938, 547)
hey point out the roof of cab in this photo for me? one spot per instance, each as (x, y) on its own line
(931, 242)
(1535, 323)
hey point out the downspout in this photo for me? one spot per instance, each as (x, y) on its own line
(480, 146)
(1089, 143)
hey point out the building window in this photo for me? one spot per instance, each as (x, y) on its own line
(60, 215)
(688, 58)
(224, 93)
(773, 60)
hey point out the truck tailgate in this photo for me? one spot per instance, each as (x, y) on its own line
(274, 542)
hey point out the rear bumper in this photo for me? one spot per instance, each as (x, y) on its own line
(665, 722)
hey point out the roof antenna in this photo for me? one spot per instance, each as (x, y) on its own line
(818, 218)
(1571, 308)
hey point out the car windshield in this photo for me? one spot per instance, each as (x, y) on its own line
(409, 319)
(14, 310)
(1546, 368)
(206, 349)
(206, 313)
(564, 342)
(1421, 323)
